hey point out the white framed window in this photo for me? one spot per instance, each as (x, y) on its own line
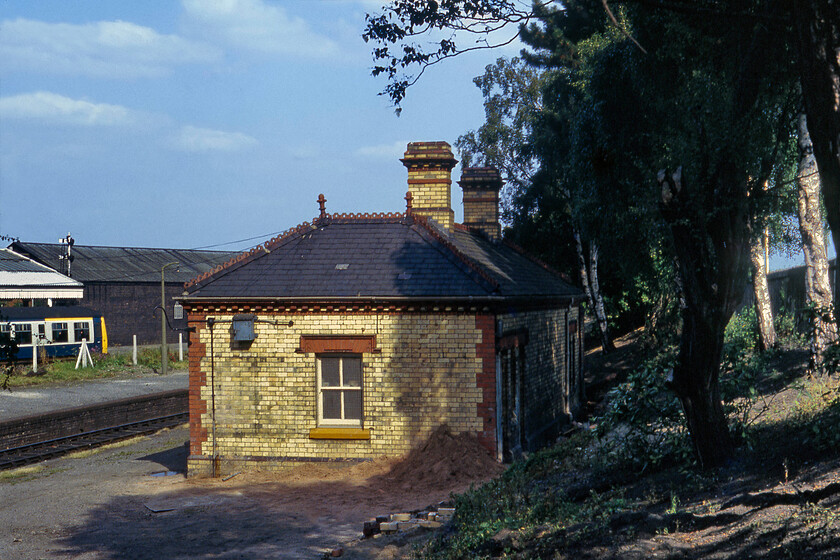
(60, 333)
(339, 390)
(23, 333)
(81, 331)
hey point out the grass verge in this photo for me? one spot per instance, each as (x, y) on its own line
(105, 365)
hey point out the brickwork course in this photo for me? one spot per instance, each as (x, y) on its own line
(450, 325)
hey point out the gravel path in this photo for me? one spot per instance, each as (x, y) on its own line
(105, 505)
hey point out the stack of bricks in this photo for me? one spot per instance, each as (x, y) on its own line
(429, 167)
(396, 522)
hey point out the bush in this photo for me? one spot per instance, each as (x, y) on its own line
(741, 334)
(643, 426)
(528, 495)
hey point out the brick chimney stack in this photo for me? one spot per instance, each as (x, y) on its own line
(429, 167)
(481, 200)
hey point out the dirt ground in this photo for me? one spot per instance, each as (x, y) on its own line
(779, 500)
(107, 505)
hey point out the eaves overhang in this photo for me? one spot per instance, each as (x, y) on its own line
(495, 300)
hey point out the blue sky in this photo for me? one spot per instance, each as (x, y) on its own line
(194, 123)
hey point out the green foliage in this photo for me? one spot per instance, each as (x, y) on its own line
(642, 426)
(741, 366)
(741, 334)
(529, 493)
(815, 416)
(817, 317)
(8, 352)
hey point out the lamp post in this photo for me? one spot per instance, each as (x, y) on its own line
(164, 351)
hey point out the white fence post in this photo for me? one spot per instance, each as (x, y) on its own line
(180, 347)
(134, 351)
(35, 354)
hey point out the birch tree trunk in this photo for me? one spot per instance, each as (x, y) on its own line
(818, 32)
(817, 281)
(600, 311)
(589, 279)
(763, 309)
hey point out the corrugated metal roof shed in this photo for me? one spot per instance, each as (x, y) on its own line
(124, 264)
(22, 278)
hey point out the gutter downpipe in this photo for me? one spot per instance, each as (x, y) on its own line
(500, 433)
(210, 322)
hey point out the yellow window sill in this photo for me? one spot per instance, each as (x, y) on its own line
(339, 433)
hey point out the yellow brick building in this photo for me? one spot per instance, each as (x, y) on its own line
(355, 336)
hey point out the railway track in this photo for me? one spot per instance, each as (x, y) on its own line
(48, 449)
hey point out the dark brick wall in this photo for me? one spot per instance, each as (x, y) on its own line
(129, 309)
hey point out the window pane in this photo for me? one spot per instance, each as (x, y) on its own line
(329, 372)
(352, 372)
(332, 405)
(81, 331)
(352, 405)
(59, 332)
(23, 334)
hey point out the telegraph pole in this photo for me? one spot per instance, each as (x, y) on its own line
(164, 349)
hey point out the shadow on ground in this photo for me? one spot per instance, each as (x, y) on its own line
(174, 460)
(217, 525)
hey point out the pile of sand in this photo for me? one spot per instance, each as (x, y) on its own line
(444, 460)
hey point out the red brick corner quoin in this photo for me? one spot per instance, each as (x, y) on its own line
(198, 380)
(486, 380)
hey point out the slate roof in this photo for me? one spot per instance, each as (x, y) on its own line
(124, 264)
(383, 256)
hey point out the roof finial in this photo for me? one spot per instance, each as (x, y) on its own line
(408, 199)
(322, 203)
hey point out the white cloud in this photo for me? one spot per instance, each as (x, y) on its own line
(258, 26)
(111, 49)
(384, 151)
(195, 139)
(54, 108)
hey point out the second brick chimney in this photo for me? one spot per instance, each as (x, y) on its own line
(481, 200)
(429, 167)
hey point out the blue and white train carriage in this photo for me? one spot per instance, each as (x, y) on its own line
(59, 330)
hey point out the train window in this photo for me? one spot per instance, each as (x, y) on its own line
(81, 331)
(23, 333)
(59, 332)
(5, 333)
